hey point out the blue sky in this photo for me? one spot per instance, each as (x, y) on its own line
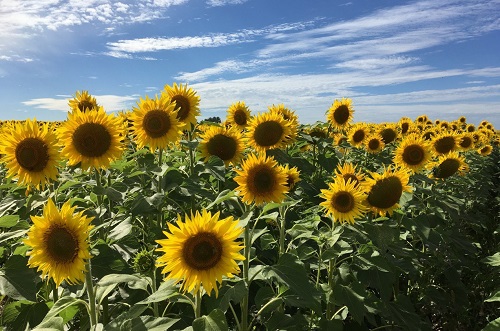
(393, 58)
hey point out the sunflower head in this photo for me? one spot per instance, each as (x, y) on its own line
(93, 139)
(444, 142)
(385, 190)
(83, 102)
(30, 152)
(405, 125)
(340, 113)
(59, 243)
(267, 131)
(447, 165)
(227, 144)
(485, 150)
(187, 103)
(343, 201)
(374, 144)
(413, 153)
(144, 262)
(155, 123)
(238, 115)
(290, 117)
(200, 251)
(350, 172)
(292, 176)
(388, 132)
(261, 180)
(357, 135)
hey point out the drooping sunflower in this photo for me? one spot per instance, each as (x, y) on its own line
(187, 103)
(444, 142)
(155, 123)
(261, 180)
(292, 176)
(405, 124)
(413, 153)
(447, 165)
(200, 251)
(238, 114)
(267, 131)
(93, 139)
(227, 144)
(30, 153)
(385, 190)
(59, 243)
(340, 113)
(350, 172)
(374, 143)
(344, 201)
(82, 101)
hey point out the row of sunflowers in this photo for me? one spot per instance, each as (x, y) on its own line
(128, 218)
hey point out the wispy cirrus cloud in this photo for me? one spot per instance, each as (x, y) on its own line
(109, 102)
(219, 3)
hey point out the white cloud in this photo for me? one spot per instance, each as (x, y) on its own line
(218, 3)
(108, 101)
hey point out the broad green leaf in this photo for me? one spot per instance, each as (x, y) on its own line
(223, 196)
(494, 297)
(403, 313)
(235, 293)
(291, 272)
(493, 260)
(8, 221)
(54, 324)
(61, 305)
(9, 235)
(109, 282)
(17, 280)
(121, 230)
(124, 320)
(493, 325)
(215, 321)
(150, 323)
(347, 296)
(166, 290)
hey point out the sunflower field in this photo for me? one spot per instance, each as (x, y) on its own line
(151, 219)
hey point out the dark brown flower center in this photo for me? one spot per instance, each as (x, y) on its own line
(388, 135)
(466, 142)
(62, 244)
(202, 251)
(404, 127)
(358, 136)
(156, 123)
(263, 180)
(343, 201)
(447, 168)
(32, 154)
(352, 178)
(222, 146)
(240, 117)
(341, 114)
(413, 154)
(268, 133)
(373, 144)
(85, 105)
(385, 193)
(182, 106)
(444, 144)
(92, 139)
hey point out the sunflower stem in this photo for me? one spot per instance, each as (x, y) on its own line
(91, 295)
(197, 304)
(282, 230)
(55, 293)
(159, 187)
(246, 265)
(331, 305)
(154, 288)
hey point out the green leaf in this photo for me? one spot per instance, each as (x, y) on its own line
(494, 297)
(166, 290)
(124, 320)
(9, 235)
(61, 305)
(121, 230)
(17, 280)
(55, 323)
(109, 282)
(403, 313)
(291, 272)
(493, 260)
(223, 196)
(234, 293)
(347, 296)
(493, 325)
(215, 321)
(8, 221)
(150, 323)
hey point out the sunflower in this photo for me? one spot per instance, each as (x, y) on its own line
(30, 152)
(389, 132)
(413, 153)
(444, 142)
(350, 172)
(289, 116)
(59, 242)
(267, 131)
(187, 103)
(340, 113)
(238, 115)
(200, 250)
(470, 128)
(357, 135)
(405, 124)
(422, 119)
(385, 190)
(343, 200)
(465, 141)
(82, 101)
(227, 144)
(462, 119)
(261, 180)
(292, 176)
(485, 150)
(155, 123)
(447, 165)
(374, 144)
(91, 138)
